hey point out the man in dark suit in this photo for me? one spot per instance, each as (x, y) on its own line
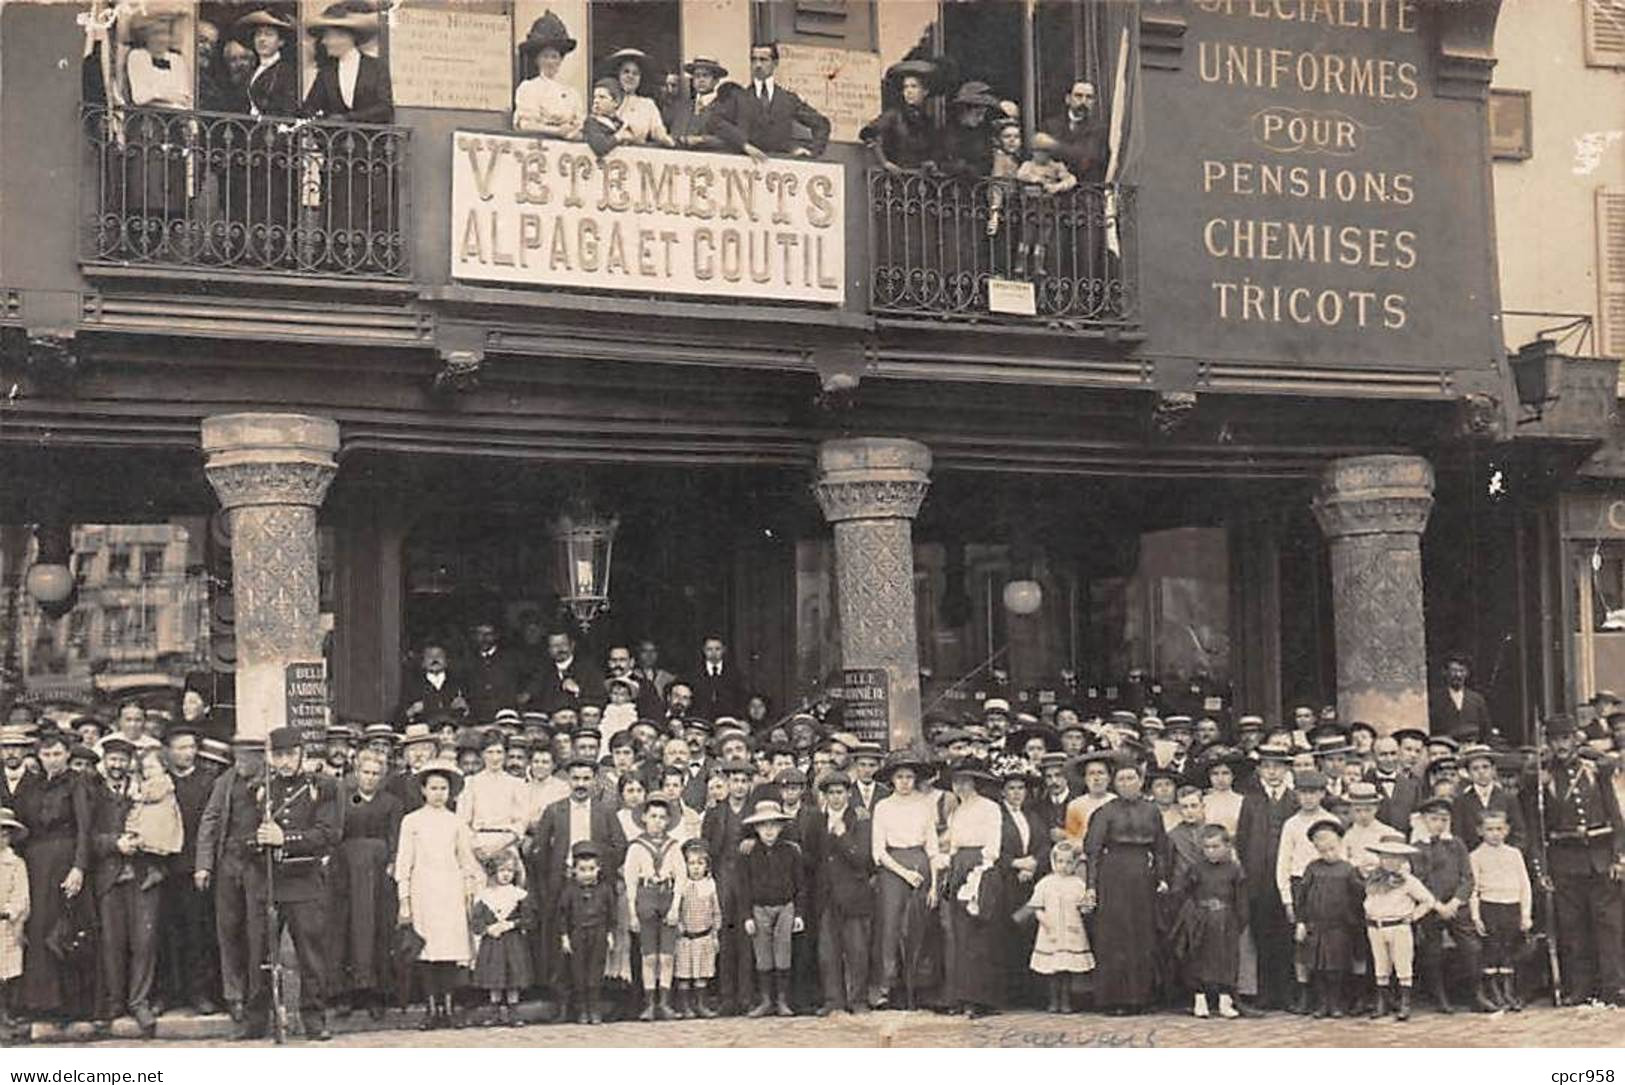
(430, 688)
(865, 759)
(724, 830)
(565, 823)
(187, 939)
(719, 690)
(1265, 806)
(564, 681)
(1055, 793)
(769, 115)
(126, 883)
(1081, 133)
(1457, 711)
(837, 844)
(1401, 792)
(1480, 795)
(492, 679)
(653, 681)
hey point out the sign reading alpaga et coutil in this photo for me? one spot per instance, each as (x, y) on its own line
(646, 220)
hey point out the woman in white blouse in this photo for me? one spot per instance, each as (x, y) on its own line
(494, 804)
(904, 844)
(972, 893)
(542, 103)
(158, 75)
(640, 116)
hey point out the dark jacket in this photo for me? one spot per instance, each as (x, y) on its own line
(276, 92)
(1258, 836)
(721, 695)
(550, 836)
(1396, 809)
(108, 811)
(1443, 866)
(491, 682)
(1584, 832)
(307, 808)
(880, 792)
(1467, 817)
(1085, 147)
(585, 909)
(416, 689)
(773, 876)
(1469, 723)
(374, 97)
(774, 129)
(192, 793)
(842, 865)
(547, 692)
(707, 129)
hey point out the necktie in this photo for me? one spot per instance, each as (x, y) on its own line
(761, 94)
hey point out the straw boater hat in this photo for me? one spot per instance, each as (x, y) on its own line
(1364, 793)
(8, 820)
(416, 733)
(453, 775)
(357, 16)
(699, 64)
(1390, 845)
(548, 32)
(611, 65)
(766, 810)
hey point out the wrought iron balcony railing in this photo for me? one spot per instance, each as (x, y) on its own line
(217, 191)
(937, 242)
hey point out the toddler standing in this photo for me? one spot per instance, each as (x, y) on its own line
(699, 916)
(502, 916)
(1327, 900)
(14, 903)
(1060, 900)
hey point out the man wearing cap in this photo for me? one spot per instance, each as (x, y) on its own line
(1265, 807)
(1583, 865)
(1456, 710)
(231, 815)
(304, 824)
(572, 820)
(694, 121)
(127, 884)
(186, 943)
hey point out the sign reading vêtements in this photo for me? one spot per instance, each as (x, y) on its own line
(306, 689)
(646, 220)
(866, 704)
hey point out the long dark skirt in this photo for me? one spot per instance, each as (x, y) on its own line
(1126, 927)
(975, 963)
(49, 984)
(362, 916)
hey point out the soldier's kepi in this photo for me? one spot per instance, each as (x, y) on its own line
(301, 824)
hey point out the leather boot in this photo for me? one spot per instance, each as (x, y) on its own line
(1404, 1011)
(1379, 1003)
(648, 1013)
(1333, 995)
(663, 1010)
(1320, 989)
(1440, 997)
(324, 1027)
(781, 1000)
(680, 1000)
(764, 998)
(702, 1002)
(1484, 995)
(1509, 992)
(1300, 1000)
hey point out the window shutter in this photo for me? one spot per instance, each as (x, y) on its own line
(838, 24)
(1605, 33)
(1611, 271)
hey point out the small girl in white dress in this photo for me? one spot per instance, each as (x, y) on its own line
(1060, 900)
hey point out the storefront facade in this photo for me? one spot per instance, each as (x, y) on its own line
(1199, 465)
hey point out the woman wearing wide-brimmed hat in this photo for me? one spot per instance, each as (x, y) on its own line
(967, 141)
(1128, 866)
(905, 137)
(273, 89)
(639, 115)
(437, 876)
(543, 103)
(904, 843)
(973, 894)
(350, 85)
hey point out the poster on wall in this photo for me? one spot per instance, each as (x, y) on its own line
(452, 56)
(866, 704)
(842, 84)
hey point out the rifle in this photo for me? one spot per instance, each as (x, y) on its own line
(1547, 893)
(273, 940)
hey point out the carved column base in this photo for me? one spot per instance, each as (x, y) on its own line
(1373, 510)
(271, 472)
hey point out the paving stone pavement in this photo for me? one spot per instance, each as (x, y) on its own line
(1535, 1027)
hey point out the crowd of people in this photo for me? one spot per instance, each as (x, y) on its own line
(628, 843)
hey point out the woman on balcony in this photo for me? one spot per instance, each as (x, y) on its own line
(967, 145)
(273, 89)
(904, 138)
(155, 189)
(542, 103)
(260, 167)
(640, 116)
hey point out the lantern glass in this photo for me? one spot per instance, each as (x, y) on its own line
(584, 544)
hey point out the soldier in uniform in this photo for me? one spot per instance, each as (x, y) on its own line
(1583, 864)
(303, 826)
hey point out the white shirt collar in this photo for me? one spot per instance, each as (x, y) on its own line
(437, 679)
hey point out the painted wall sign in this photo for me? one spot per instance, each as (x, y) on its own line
(646, 220)
(445, 58)
(842, 84)
(1312, 199)
(866, 704)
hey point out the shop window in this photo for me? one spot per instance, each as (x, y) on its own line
(152, 562)
(118, 563)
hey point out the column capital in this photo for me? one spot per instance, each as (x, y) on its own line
(872, 478)
(270, 459)
(1375, 495)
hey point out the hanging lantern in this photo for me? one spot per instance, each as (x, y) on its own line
(50, 582)
(1023, 597)
(583, 545)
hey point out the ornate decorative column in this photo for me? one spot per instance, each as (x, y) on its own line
(1373, 510)
(870, 489)
(271, 472)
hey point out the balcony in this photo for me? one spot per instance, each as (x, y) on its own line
(223, 193)
(937, 243)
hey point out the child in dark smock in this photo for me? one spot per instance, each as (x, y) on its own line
(1329, 899)
(1206, 937)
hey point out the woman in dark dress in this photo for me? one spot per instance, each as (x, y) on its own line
(362, 919)
(973, 896)
(56, 808)
(1128, 867)
(904, 137)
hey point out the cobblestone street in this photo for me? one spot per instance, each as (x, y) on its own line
(1535, 1027)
